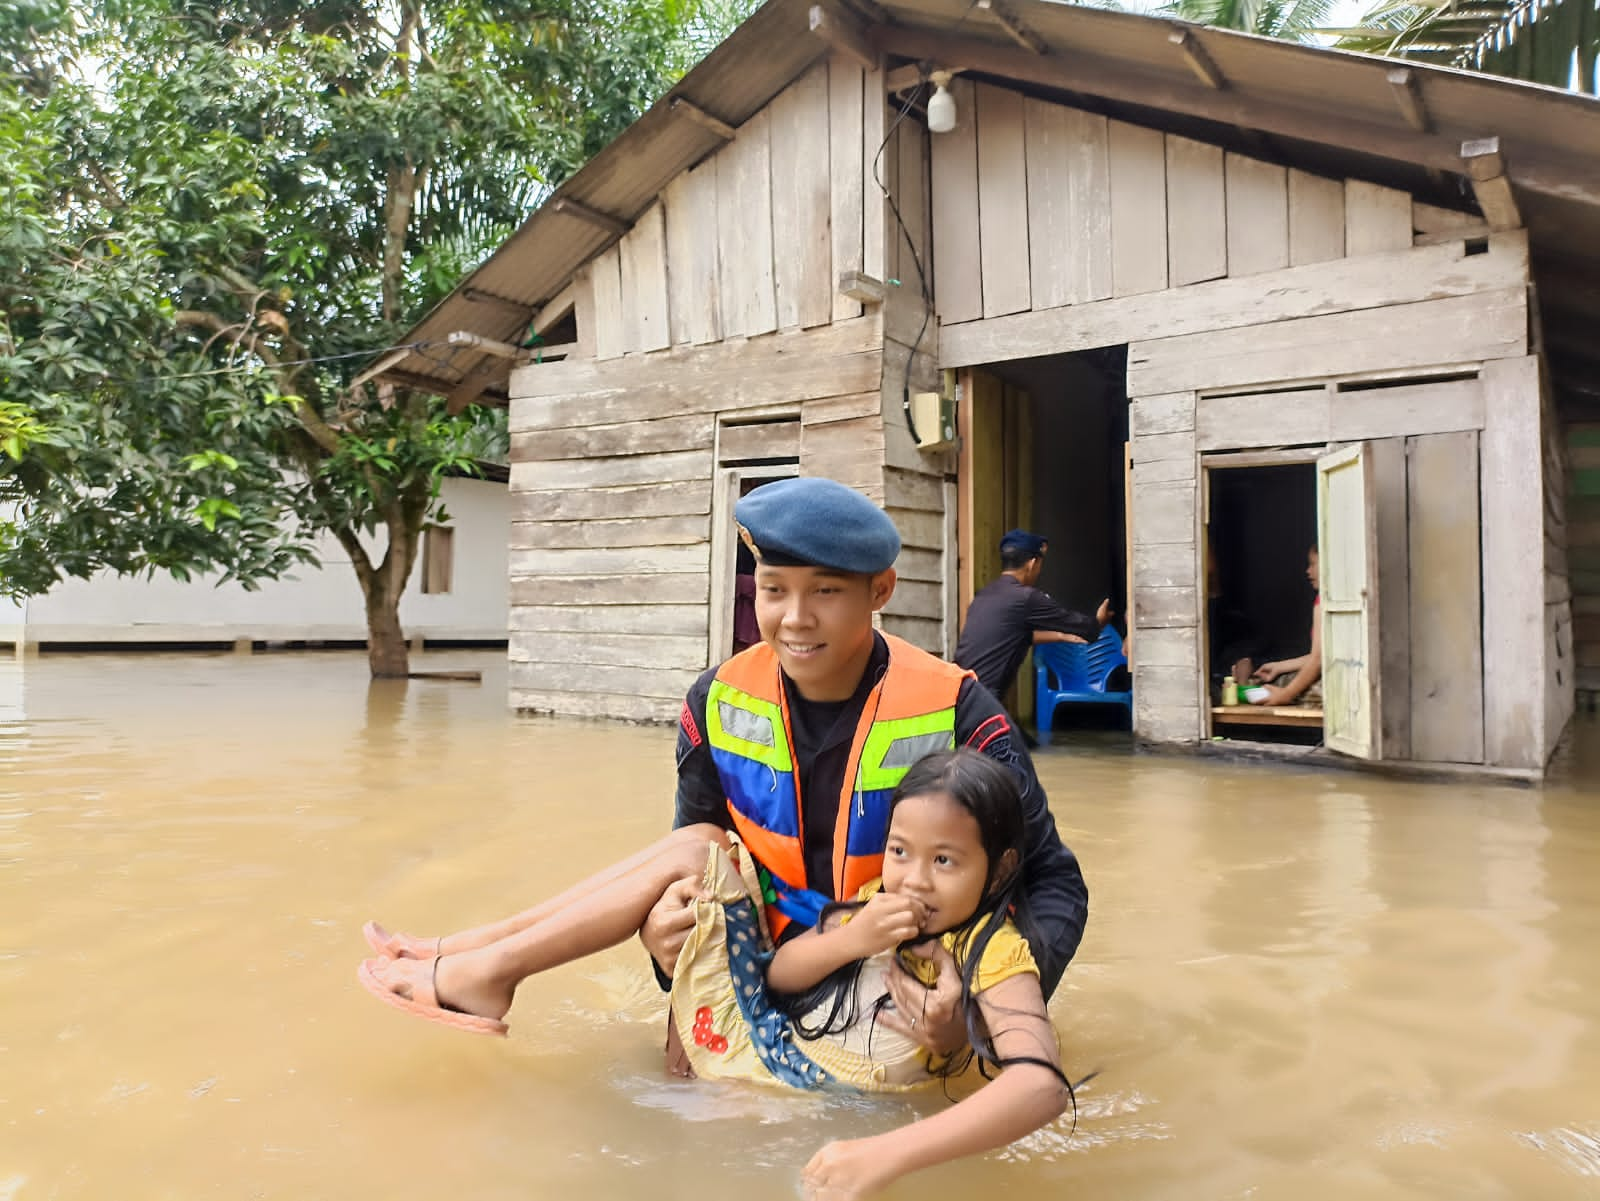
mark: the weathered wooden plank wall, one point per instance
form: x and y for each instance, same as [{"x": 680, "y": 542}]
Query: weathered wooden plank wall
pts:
[
  {"x": 914, "y": 492},
  {"x": 719, "y": 337},
  {"x": 1446, "y": 684},
  {"x": 611, "y": 480},
  {"x": 1373, "y": 282},
  {"x": 754, "y": 238},
  {"x": 1042, "y": 206},
  {"x": 1165, "y": 523},
  {"x": 1512, "y": 504},
  {"x": 1292, "y": 375}
]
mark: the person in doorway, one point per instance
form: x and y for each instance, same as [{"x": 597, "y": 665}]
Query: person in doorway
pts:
[
  {"x": 1232, "y": 640},
  {"x": 1011, "y": 614},
  {"x": 1289, "y": 681},
  {"x": 797, "y": 745},
  {"x": 746, "y": 632}
]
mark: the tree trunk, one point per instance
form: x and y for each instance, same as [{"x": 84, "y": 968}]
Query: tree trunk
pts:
[{"x": 387, "y": 653}]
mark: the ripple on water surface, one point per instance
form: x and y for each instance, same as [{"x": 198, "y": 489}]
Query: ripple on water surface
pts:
[{"x": 1296, "y": 984}]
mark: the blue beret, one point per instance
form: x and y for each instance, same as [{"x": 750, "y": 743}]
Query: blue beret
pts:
[
  {"x": 1031, "y": 544},
  {"x": 814, "y": 522}
]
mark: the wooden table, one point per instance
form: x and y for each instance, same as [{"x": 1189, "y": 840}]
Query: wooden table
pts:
[{"x": 1267, "y": 715}]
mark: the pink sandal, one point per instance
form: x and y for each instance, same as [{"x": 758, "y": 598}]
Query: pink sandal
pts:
[
  {"x": 400, "y": 946},
  {"x": 425, "y": 1003}
]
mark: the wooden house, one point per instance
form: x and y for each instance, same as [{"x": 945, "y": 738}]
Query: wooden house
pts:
[{"x": 1166, "y": 293}]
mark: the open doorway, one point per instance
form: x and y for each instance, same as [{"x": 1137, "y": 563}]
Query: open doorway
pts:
[
  {"x": 1260, "y": 601},
  {"x": 1043, "y": 448},
  {"x": 750, "y": 453}
]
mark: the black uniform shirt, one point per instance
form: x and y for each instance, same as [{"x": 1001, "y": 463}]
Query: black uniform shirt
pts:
[
  {"x": 999, "y": 629},
  {"x": 1057, "y": 898}
]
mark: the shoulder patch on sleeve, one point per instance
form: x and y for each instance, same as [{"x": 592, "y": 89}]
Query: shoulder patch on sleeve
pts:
[
  {"x": 687, "y": 725},
  {"x": 990, "y": 732}
]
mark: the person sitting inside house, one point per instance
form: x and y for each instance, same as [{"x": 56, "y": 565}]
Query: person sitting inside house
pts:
[
  {"x": 1009, "y": 615},
  {"x": 1232, "y": 641},
  {"x": 1291, "y": 681}
]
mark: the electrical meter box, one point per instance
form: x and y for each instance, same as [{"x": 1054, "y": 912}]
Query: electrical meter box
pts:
[{"x": 933, "y": 414}]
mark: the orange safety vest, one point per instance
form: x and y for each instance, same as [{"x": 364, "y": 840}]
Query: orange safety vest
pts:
[{"x": 910, "y": 712}]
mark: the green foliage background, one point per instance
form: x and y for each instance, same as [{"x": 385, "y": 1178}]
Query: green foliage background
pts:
[{"x": 212, "y": 216}]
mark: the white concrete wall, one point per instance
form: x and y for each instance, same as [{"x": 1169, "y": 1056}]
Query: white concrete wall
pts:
[
  {"x": 13, "y": 617},
  {"x": 317, "y": 603}
]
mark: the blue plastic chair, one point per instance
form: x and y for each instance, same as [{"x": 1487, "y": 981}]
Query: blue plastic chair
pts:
[{"x": 1075, "y": 673}]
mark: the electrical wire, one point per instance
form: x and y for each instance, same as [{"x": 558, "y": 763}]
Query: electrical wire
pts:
[
  {"x": 916, "y": 259},
  {"x": 326, "y": 358}
]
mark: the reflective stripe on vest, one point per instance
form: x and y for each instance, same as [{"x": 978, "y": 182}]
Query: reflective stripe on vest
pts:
[{"x": 891, "y": 748}]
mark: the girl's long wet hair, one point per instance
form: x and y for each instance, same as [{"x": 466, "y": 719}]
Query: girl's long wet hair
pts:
[{"x": 992, "y": 794}]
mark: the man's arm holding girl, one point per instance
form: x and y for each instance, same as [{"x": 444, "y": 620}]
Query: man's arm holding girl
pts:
[{"x": 1057, "y": 899}]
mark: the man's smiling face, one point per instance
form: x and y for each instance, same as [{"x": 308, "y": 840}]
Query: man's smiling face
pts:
[{"x": 819, "y": 621}]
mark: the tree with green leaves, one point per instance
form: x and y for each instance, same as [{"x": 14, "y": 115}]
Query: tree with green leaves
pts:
[{"x": 206, "y": 237}]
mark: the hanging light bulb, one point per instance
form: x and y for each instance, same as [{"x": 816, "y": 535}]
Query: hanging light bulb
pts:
[{"x": 941, "y": 105}]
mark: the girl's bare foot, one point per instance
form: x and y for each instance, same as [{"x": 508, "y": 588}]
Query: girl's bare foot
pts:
[{"x": 451, "y": 983}]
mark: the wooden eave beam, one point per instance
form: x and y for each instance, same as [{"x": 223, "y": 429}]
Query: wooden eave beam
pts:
[
  {"x": 573, "y": 208},
  {"x": 1074, "y": 72},
  {"x": 474, "y": 382},
  {"x": 422, "y": 383},
  {"x": 844, "y": 34},
  {"x": 1407, "y": 91},
  {"x": 489, "y": 346},
  {"x": 479, "y": 296},
  {"x": 865, "y": 289},
  {"x": 1490, "y": 183},
  {"x": 1199, "y": 61},
  {"x": 703, "y": 119},
  {"x": 904, "y": 78},
  {"x": 554, "y": 309},
  {"x": 381, "y": 366},
  {"x": 1013, "y": 25},
  {"x": 869, "y": 11},
  {"x": 1406, "y": 87},
  {"x": 465, "y": 393}
]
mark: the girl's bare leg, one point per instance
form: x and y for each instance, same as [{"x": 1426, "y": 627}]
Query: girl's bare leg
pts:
[
  {"x": 603, "y": 911},
  {"x": 409, "y": 947}
]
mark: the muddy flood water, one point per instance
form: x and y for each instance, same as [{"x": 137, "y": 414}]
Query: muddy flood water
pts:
[{"x": 1297, "y": 984}]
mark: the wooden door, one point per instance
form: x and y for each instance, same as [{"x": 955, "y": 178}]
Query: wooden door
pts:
[
  {"x": 1348, "y": 613},
  {"x": 995, "y": 491}
]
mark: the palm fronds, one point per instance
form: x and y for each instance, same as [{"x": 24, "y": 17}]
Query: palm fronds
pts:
[{"x": 1552, "y": 42}]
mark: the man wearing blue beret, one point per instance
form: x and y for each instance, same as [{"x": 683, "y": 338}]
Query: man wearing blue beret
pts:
[
  {"x": 1009, "y": 615},
  {"x": 790, "y": 742}
]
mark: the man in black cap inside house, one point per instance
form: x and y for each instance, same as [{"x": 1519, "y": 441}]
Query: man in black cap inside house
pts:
[
  {"x": 775, "y": 740},
  {"x": 1008, "y": 616}
]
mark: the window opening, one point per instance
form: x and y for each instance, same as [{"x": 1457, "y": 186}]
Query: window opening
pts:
[{"x": 438, "y": 556}]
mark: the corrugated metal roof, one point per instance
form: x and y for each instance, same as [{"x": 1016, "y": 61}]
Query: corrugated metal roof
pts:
[{"x": 1325, "y": 110}]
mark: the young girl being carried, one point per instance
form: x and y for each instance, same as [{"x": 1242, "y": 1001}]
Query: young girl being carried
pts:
[{"x": 805, "y": 1014}]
